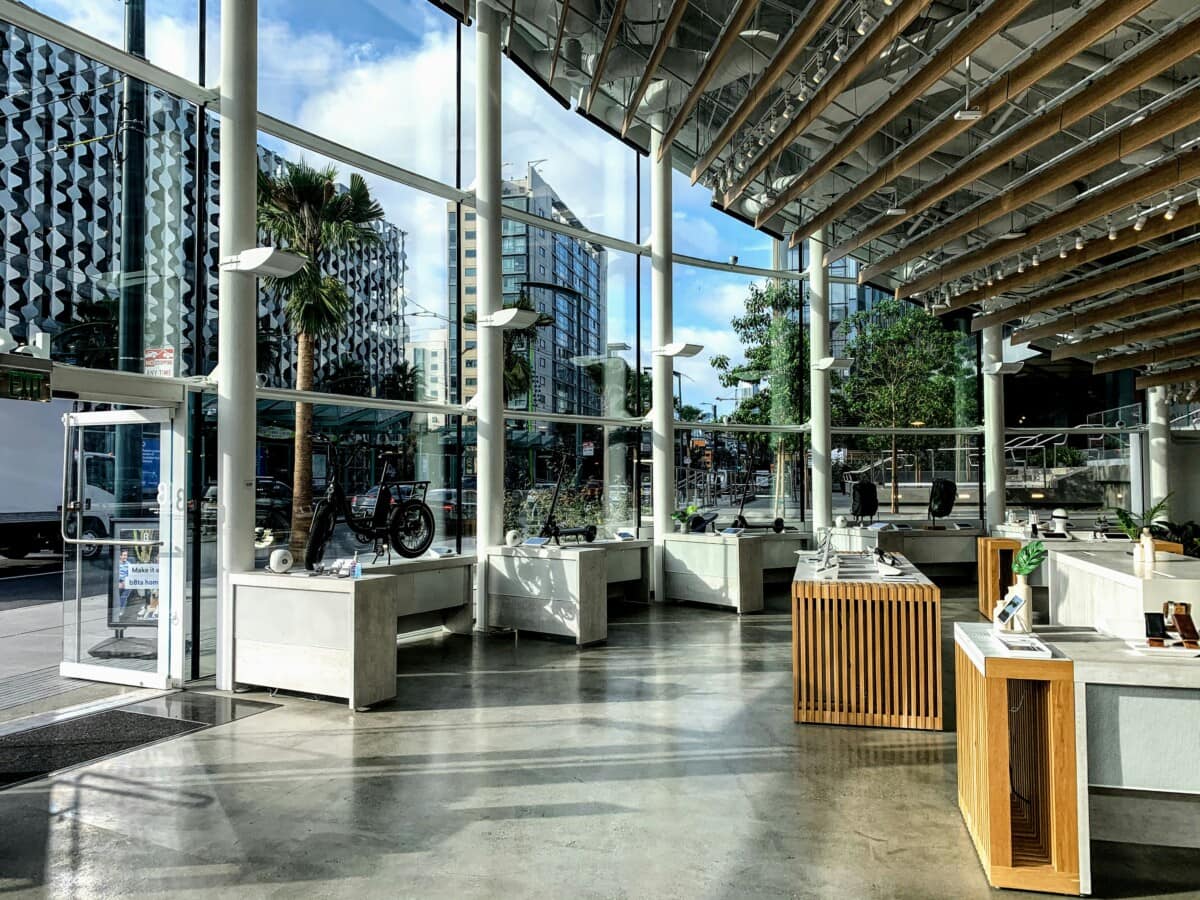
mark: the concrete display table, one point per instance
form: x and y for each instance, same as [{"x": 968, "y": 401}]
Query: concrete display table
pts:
[
  {"x": 628, "y": 566},
  {"x": 551, "y": 590},
  {"x": 432, "y": 584},
  {"x": 1109, "y": 591},
  {"x": 925, "y": 547},
  {"x": 779, "y": 550},
  {"x": 316, "y": 634},
  {"x": 866, "y": 648},
  {"x": 718, "y": 569},
  {"x": 1097, "y": 742}
]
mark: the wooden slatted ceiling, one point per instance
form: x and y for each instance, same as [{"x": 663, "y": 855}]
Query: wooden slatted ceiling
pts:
[
  {"x": 1169, "y": 353},
  {"x": 789, "y": 51},
  {"x": 1181, "y": 323},
  {"x": 1154, "y": 127},
  {"x": 1155, "y": 266},
  {"x": 1094, "y": 250},
  {"x": 1129, "y": 306},
  {"x": 1155, "y": 180},
  {"x": 1176, "y": 376},
  {"x": 737, "y": 22},
  {"x": 996, "y": 17},
  {"x": 656, "y": 57},
  {"x": 1153, "y": 61},
  {"x": 842, "y": 79},
  {"x": 610, "y": 38},
  {"x": 1007, "y": 86}
]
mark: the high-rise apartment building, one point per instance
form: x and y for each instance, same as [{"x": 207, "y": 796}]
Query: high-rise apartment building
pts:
[{"x": 563, "y": 277}]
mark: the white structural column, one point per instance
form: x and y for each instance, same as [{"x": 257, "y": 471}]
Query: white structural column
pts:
[
  {"x": 238, "y": 322},
  {"x": 1159, "y": 437},
  {"x": 662, "y": 397},
  {"x": 489, "y": 461},
  {"x": 993, "y": 426},
  {"x": 818, "y": 349}
]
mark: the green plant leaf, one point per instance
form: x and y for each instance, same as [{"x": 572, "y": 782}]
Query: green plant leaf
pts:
[{"x": 1029, "y": 557}]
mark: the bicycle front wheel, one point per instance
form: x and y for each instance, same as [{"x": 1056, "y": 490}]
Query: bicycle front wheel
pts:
[{"x": 410, "y": 528}]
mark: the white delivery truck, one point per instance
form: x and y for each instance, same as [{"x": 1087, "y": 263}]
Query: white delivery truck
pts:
[{"x": 31, "y": 481}]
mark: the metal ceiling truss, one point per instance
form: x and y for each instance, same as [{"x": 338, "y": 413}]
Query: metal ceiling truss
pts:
[
  {"x": 1180, "y": 322},
  {"x": 1168, "y": 353}
]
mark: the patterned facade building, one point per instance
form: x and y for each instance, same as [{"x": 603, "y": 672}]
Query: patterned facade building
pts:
[{"x": 61, "y": 161}]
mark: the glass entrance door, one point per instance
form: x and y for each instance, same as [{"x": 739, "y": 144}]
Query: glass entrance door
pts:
[{"x": 124, "y": 534}]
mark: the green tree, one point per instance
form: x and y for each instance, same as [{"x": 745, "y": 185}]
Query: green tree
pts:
[
  {"x": 905, "y": 367},
  {"x": 402, "y": 383},
  {"x": 775, "y": 348},
  {"x": 303, "y": 210}
]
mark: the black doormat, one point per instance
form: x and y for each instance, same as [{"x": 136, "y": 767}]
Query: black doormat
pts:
[{"x": 40, "y": 751}]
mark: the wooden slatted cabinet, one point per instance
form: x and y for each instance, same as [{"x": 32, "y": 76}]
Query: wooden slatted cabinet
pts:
[{"x": 867, "y": 651}]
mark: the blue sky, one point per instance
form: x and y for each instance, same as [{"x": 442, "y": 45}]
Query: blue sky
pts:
[{"x": 378, "y": 75}]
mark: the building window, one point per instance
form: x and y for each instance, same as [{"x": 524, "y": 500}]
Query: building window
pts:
[
  {"x": 470, "y": 363},
  {"x": 470, "y": 254},
  {"x": 470, "y": 382},
  {"x": 470, "y": 271}
]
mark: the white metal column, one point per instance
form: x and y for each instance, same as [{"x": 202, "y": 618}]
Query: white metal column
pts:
[
  {"x": 993, "y": 426},
  {"x": 662, "y": 399},
  {"x": 1159, "y": 436},
  {"x": 489, "y": 448},
  {"x": 818, "y": 349},
  {"x": 238, "y": 322}
]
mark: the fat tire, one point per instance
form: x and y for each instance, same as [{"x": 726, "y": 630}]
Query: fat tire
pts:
[
  {"x": 401, "y": 534},
  {"x": 319, "y": 533}
]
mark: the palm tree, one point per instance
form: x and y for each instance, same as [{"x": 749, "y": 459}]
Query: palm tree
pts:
[
  {"x": 303, "y": 210},
  {"x": 402, "y": 383}
]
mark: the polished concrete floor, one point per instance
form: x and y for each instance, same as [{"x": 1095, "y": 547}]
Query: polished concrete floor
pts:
[{"x": 663, "y": 764}]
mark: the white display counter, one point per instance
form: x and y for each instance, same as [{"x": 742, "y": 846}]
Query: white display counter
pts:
[
  {"x": 1133, "y": 717},
  {"x": 722, "y": 570},
  {"x": 1109, "y": 591},
  {"x": 551, "y": 590},
  {"x": 952, "y": 546},
  {"x": 317, "y": 634},
  {"x": 442, "y": 584}
]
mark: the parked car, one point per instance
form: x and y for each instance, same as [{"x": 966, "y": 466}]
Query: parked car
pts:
[
  {"x": 364, "y": 504},
  {"x": 272, "y": 506},
  {"x": 445, "y": 503}
]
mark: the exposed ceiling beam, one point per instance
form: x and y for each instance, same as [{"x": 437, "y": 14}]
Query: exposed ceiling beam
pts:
[
  {"x": 1175, "y": 376},
  {"x": 678, "y": 8},
  {"x": 793, "y": 45},
  {"x": 1088, "y": 160},
  {"x": 562, "y": 27},
  {"x": 1165, "y": 327},
  {"x": 738, "y": 20},
  {"x": 1127, "y": 238},
  {"x": 1169, "y": 353},
  {"x": 1120, "y": 309},
  {"x": 1152, "y": 61},
  {"x": 997, "y": 16},
  {"x": 1162, "y": 264},
  {"x": 864, "y": 54},
  {"x": 1154, "y": 180},
  {"x": 1082, "y": 34},
  {"x": 610, "y": 38}
]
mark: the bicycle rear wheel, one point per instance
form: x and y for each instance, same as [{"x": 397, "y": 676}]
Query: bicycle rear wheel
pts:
[
  {"x": 410, "y": 528},
  {"x": 319, "y": 534}
]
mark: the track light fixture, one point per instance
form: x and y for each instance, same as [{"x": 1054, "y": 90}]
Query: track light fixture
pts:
[
  {"x": 840, "y": 51},
  {"x": 1112, "y": 229},
  {"x": 990, "y": 279},
  {"x": 888, "y": 2},
  {"x": 1062, "y": 251},
  {"x": 1037, "y": 257},
  {"x": 1172, "y": 209},
  {"x": 864, "y": 22},
  {"x": 1079, "y": 240},
  {"x": 1000, "y": 273},
  {"x": 1142, "y": 218},
  {"x": 820, "y": 73},
  {"x": 1020, "y": 265}
]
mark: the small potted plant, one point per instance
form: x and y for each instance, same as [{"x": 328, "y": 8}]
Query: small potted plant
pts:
[
  {"x": 1134, "y": 526},
  {"x": 1025, "y": 563},
  {"x": 681, "y": 516}
]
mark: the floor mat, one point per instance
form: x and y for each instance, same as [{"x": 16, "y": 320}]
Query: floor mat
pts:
[{"x": 40, "y": 751}]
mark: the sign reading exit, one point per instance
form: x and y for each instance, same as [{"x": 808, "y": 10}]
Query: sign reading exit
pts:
[{"x": 24, "y": 378}]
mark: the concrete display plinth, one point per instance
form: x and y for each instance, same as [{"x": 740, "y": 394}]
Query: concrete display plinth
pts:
[{"x": 722, "y": 570}]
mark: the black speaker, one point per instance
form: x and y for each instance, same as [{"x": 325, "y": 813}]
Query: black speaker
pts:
[
  {"x": 864, "y": 500},
  {"x": 942, "y": 494}
]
